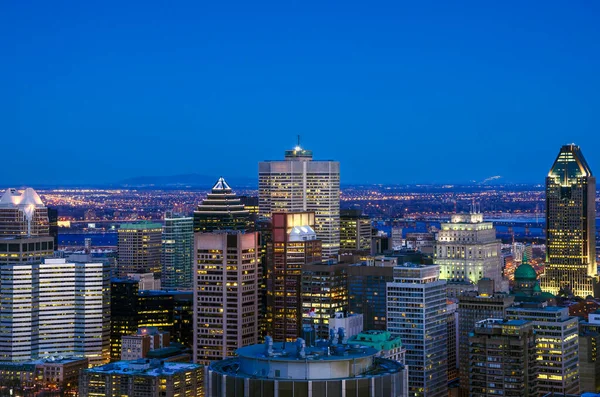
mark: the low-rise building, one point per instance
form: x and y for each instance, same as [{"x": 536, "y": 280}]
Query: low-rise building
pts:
[
  {"x": 148, "y": 378},
  {"x": 388, "y": 346}
]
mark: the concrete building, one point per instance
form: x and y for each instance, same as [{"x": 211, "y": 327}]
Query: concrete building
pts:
[
  {"x": 472, "y": 308},
  {"x": 467, "y": 250},
  {"x": 225, "y": 294},
  {"x": 389, "y": 346},
  {"x": 299, "y": 184},
  {"x": 55, "y": 308},
  {"x": 355, "y": 232},
  {"x": 570, "y": 225},
  {"x": 502, "y": 359},
  {"x": 59, "y": 374},
  {"x": 589, "y": 354},
  {"x": 324, "y": 293},
  {"x": 221, "y": 210},
  {"x": 416, "y": 312},
  {"x": 148, "y": 378},
  {"x": 146, "y": 281},
  {"x": 557, "y": 340},
  {"x": 296, "y": 370},
  {"x": 139, "y": 248},
  {"x": 177, "y": 252},
  {"x": 351, "y": 323},
  {"x": 294, "y": 244},
  {"x": 134, "y": 347}
]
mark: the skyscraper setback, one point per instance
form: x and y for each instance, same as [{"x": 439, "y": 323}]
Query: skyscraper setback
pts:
[
  {"x": 570, "y": 225},
  {"x": 299, "y": 184}
]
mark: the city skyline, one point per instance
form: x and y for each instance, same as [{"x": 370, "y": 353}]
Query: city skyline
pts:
[{"x": 492, "y": 85}]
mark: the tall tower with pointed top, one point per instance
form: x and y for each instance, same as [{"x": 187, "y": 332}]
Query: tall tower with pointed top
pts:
[
  {"x": 221, "y": 210},
  {"x": 570, "y": 225},
  {"x": 300, "y": 184}
]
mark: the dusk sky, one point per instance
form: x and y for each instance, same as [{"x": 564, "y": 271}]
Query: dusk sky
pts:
[{"x": 398, "y": 92}]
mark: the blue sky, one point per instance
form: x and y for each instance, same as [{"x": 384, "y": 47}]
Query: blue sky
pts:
[{"x": 398, "y": 92}]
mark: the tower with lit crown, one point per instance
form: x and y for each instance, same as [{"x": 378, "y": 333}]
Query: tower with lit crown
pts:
[
  {"x": 299, "y": 184},
  {"x": 570, "y": 225}
]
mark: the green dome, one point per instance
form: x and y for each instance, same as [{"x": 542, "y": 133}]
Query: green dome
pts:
[
  {"x": 537, "y": 288},
  {"x": 525, "y": 272}
]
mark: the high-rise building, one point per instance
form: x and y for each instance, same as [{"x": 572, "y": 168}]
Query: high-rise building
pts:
[
  {"x": 132, "y": 308},
  {"x": 139, "y": 248},
  {"x": 23, "y": 214},
  {"x": 474, "y": 307},
  {"x": 355, "y": 231},
  {"x": 570, "y": 225},
  {"x": 299, "y": 184},
  {"x": 467, "y": 250},
  {"x": 53, "y": 224},
  {"x": 221, "y": 210},
  {"x": 293, "y": 245},
  {"x": 324, "y": 293},
  {"x": 54, "y": 308},
  {"x": 226, "y": 283},
  {"x": 557, "y": 344},
  {"x": 177, "y": 250},
  {"x": 452, "y": 331},
  {"x": 367, "y": 285},
  {"x": 502, "y": 359},
  {"x": 148, "y": 378},
  {"x": 300, "y": 370},
  {"x": 589, "y": 354},
  {"x": 416, "y": 312}
]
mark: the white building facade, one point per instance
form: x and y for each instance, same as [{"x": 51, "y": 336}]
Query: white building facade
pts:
[{"x": 299, "y": 184}]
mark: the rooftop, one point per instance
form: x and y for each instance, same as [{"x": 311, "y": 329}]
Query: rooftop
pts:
[
  {"x": 319, "y": 352},
  {"x": 20, "y": 198},
  {"x": 144, "y": 367}
]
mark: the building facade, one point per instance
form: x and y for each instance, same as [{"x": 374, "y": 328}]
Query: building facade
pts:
[
  {"x": 502, "y": 359},
  {"x": 221, "y": 210},
  {"x": 557, "y": 344},
  {"x": 54, "y": 308},
  {"x": 570, "y": 225},
  {"x": 225, "y": 294},
  {"x": 355, "y": 231},
  {"x": 293, "y": 245},
  {"x": 472, "y": 308},
  {"x": 148, "y": 378},
  {"x": 299, "y": 184},
  {"x": 416, "y": 312},
  {"x": 297, "y": 370},
  {"x": 589, "y": 354},
  {"x": 324, "y": 293},
  {"x": 467, "y": 250},
  {"x": 139, "y": 248},
  {"x": 177, "y": 252},
  {"x": 23, "y": 214}
]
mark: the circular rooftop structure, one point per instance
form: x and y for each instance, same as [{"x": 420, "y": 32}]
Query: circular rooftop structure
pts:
[{"x": 525, "y": 272}]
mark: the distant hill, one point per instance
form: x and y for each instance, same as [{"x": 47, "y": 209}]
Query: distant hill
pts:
[{"x": 192, "y": 180}]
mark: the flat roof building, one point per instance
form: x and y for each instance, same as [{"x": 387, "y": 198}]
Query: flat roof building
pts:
[{"x": 297, "y": 370}]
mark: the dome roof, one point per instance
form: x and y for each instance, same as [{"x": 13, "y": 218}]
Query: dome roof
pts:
[{"x": 525, "y": 272}]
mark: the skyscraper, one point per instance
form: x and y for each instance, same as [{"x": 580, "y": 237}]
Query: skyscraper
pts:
[
  {"x": 139, "y": 248},
  {"x": 502, "y": 359},
  {"x": 226, "y": 281},
  {"x": 416, "y": 312},
  {"x": 55, "y": 308},
  {"x": 299, "y": 184},
  {"x": 467, "y": 250},
  {"x": 221, "y": 210},
  {"x": 355, "y": 231},
  {"x": 324, "y": 293},
  {"x": 557, "y": 343},
  {"x": 570, "y": 225},
  {"x": 473, "y": 307},
  {"x": 293, "y": 245},
  {"x": 23, "y": 214},
  {"x": 177, "y": 250}
]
